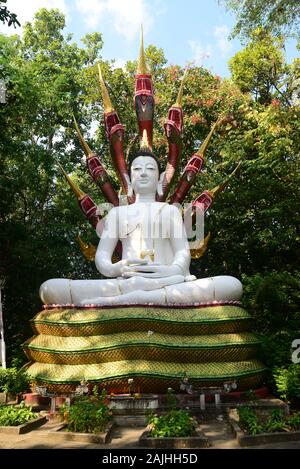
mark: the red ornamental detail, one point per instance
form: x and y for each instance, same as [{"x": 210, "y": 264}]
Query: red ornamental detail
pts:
[
  {"x": 192, "y": 168},
  {"x": 89, "y": 208},
  {"x": 112, "y": 124},
  {"x": 144, "y": 105},
  {"x": 96, "y": 169},
  {"x": 100, "y": 176},
  {"x": 143, "y": 85},
  {"x": 194, "y": 164},
  {"x": 174, "y": 121},
  {"x": 203, "y": 202}
]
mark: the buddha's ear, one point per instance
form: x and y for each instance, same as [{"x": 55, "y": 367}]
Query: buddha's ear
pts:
[{"x": 159, "y": 189}]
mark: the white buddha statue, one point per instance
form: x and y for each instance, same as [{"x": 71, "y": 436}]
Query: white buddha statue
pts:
[{"x": 155, "y": 255}]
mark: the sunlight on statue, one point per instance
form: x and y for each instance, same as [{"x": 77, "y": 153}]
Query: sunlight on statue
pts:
[{"x": 155, "y": 254}]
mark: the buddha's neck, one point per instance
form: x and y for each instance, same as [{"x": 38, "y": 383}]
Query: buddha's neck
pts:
[{"x": 144, "y": 198}]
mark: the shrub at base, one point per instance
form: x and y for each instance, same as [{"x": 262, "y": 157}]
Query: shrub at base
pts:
[
  {"x": 175, "y": 423},
  {"x": 253, "y": 423},
  {"x": 11, "y": 416},
  {"x": 87, "y": 414}
]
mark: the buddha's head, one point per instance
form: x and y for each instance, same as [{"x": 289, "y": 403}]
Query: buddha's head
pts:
[{"x": 145, "y": 173}]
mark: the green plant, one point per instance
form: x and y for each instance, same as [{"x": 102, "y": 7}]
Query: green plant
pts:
[
  {"x": 254, "y": 422},
  {"x": 249, "y": 420},
  {"x": 87, "y": 414},
  {"x": 287, "y": 381},
  {"x": 273, "y": 301},
  {"x": 14, "y": 381},
  {"x": 15, "y": 415},
  {"x": 175, "y": 423},
  {"x": 275, "y": 422},
  {"x": 294, "y": 421}
]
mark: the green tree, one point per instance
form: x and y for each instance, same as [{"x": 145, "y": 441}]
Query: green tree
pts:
[
  {"x": 7, "y": 16},
  {"x": 259, "y": 68},
  {"x": 44, "y": 73},
  {"x": 277, "y": 16}
]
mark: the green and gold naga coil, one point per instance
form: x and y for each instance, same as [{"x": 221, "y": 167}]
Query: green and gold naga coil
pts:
[{"x": 156, "y": 346}]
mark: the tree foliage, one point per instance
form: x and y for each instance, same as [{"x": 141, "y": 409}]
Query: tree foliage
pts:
[
  {"x": 7, "y": 16},
  {"x": 253, "y": 223},
  {"x": 276, "y": 16}
]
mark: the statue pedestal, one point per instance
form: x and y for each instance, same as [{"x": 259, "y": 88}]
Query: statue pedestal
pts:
[{"x": 155, "y": 346}]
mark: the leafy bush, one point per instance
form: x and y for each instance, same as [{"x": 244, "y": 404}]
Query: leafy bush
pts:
[
  {"x": 287, "y": 382},
  {"x": 257, "y": 422},
  {"x": 276, "y": 422},
  {"x": 87, "y": 414},
  {"x": 14, "y": 381},
  {"x": 273, "y": 300},
  {"x": 249, "y": 420},
  {"x": 276, "y": 349},
  {"x": 13, "y": 416},
  {"x": 172, "y": 424},
  {"x": 294, "y": 421}
]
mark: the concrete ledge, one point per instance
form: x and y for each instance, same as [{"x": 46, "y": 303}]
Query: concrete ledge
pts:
[
  {"x": 59, "y": 434},
  {"x": 262, "y": 438},
  {"x": 25, "y": 427},
  {"x": 198, "y": 440}
]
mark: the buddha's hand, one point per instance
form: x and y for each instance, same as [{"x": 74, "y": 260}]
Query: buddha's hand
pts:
[
  {"x": 125, "y": 263},
  {"x": 151, "y": 270}
]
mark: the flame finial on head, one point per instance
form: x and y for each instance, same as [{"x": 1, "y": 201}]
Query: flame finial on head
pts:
[
  {"x": 108, "y": 107},
  {"x": 142, "y": 67},
  {"x": 77, "y": 191},
  {"x": 178, "y": 102},
  {"x": 216, "y": 190},
  {"x": 84, "y": 144},
  {"x": 144, "y": 144}
]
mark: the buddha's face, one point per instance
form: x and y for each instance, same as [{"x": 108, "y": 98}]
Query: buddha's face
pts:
[{"x": 144, "y": 175}]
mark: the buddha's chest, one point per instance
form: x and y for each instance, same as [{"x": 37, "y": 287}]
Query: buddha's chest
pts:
[{"x": 145, "y": 221}]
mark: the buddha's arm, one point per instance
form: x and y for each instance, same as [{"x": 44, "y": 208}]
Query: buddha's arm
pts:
[
  {"x": 178, "y": 239},
  {"x": 106, "y": 246}
]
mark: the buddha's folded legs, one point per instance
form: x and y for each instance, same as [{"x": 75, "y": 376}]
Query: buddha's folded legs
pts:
[
  {"x": 220, "y": 288},
  {"x": 139, "y": 290},
  {"x": 64, "y": 291}
]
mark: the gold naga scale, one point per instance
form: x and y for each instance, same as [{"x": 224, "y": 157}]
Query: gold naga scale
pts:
[{"x": 155, "y": 345}]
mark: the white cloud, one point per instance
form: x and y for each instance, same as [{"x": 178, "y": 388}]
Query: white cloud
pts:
[
  {"x": 92, "y": 11},
  {"x": 126, "y": 16},
  {"x": 222, "y": 33},
  {"x": 25, "y": 11},
  {"x": 200, "y": 52},
  {"x": 119, "y": 63}
]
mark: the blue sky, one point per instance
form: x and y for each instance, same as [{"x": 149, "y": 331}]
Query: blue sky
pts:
[{"x": 188, "y": 31}]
